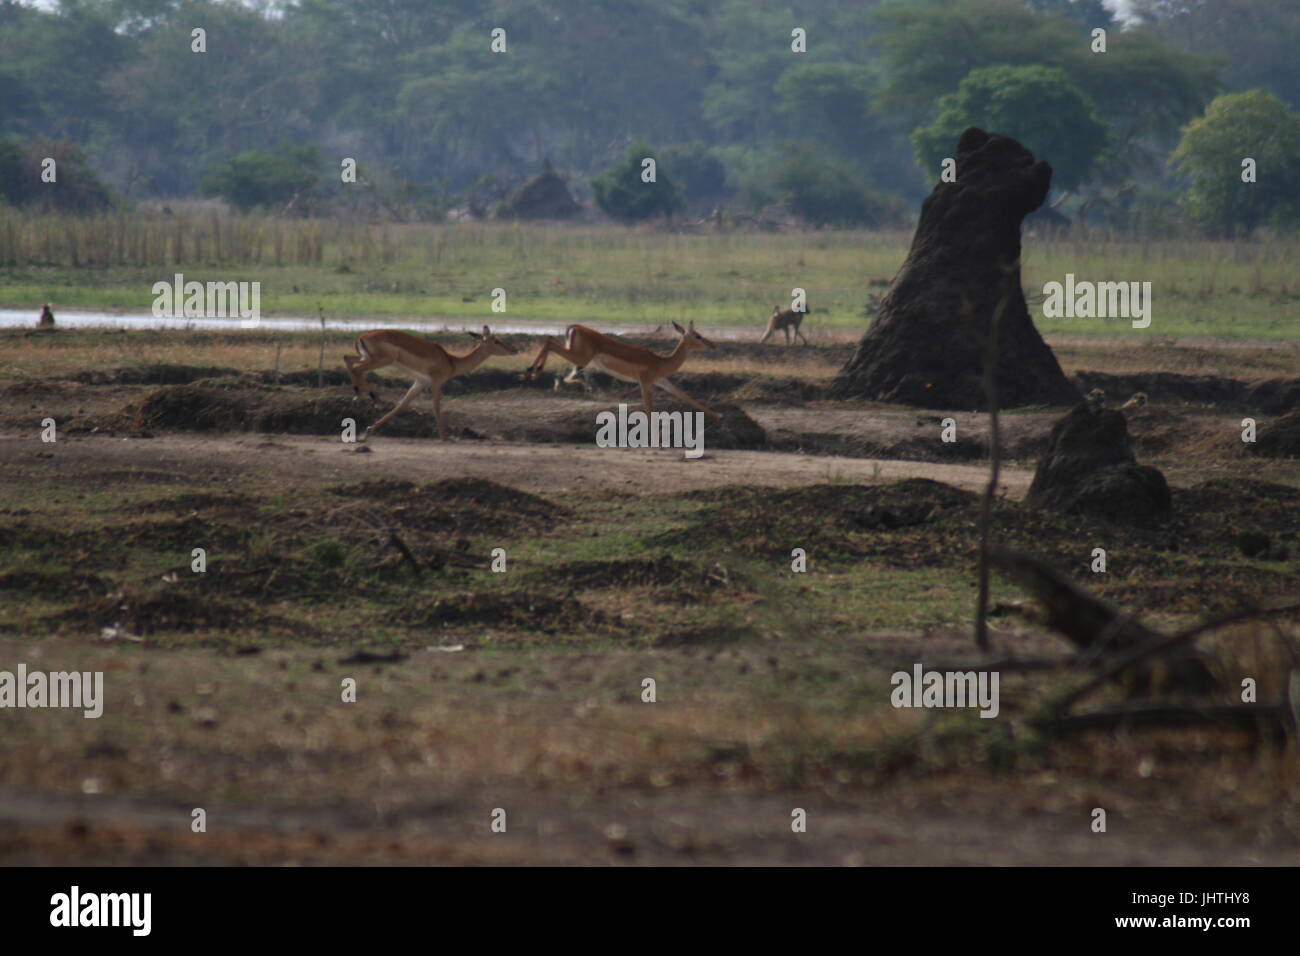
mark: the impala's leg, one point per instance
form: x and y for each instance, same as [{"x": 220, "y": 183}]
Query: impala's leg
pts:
[
  {"x": 539, "y": 363},
  {"x": 573, "y": 378},
  {"x": 647, "y": 397},
  {"x": 420, "y": 385},
  {"x": 357, "y": 368},
  {"x": 436, "y": 390},
  {"x": 551, "y": 347},
  {"x": 672, "y": 389}
]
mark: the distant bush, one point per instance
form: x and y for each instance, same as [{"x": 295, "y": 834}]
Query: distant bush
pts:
[
  {"x": 487, "y": 191},
  {"x": 12, "y": 188},
  {"x": 698, "y": 169},
  {"x": 621, "y": 194},
  {"x": 268, "y": 177},
  {"x": 76, "y": 188},
  {"x": 827, "y": 192}
]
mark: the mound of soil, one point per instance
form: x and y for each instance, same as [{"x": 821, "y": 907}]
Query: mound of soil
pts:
[
  {"x": 332, "y": 377},
  {"x": 785, "y": 391},
  {"x": 34, "y": 583},
  {"x": 193, "y": 409},
  {"x": 545, "y": 196},
  {"x": 1090, "y": 468},
  {"x": 702, "y": 387},
  {"x": 965, "y": 257},
  {"x": 703, "y": 636},
  {"x": 494, "y": 380},
  {"x": 458, "y": 505},
  {"x": 675, "y": 580},
  {"x": 517, "y": 610},
  {"x": 172, "y": 609},
  {"x": 734, "y": 429},
  {"x": 827, "y": 521},
  {"x": 206, "y": 408},
  {"x": 188, "y": 503},
  {"x": 1279, "y": 439},
  {"x": 481, "y": 380},
  {"x": 927, "y": 449},
  {"x": 1272, "y": 397},
  {"x": 1277, "y": 396},
  {"x": 248, "y": 405},
  {"x": 323, "y": 413},
  {"x": 1270, "y": 504},
  {"x": 156, "y": 374},
  {"x": 176, "y": 535}
]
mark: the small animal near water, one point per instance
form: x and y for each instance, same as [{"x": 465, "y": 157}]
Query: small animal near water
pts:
[
  {"x": 46, "y": 320},
  {"x": 428, "y": 362},
  {"x": 785, "y": 321},
  {"x": 631, "y": 363}
]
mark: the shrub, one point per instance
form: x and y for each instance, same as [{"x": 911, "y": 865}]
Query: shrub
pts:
[
  {"x": 621, "y": 194},
  {"x": 270, "y": 177}
]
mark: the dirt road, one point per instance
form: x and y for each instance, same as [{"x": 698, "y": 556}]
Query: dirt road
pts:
[{"x": 551, "y": 469}]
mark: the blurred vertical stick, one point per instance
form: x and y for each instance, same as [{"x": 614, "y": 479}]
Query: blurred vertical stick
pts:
[
  {"x": 995, "y": 455},
  {"x": 320, "y": 362}
]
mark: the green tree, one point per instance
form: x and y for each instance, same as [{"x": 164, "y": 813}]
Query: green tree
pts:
[
  {"x": 76, "y": 189},
  {"x": 930, "y": 45},
  {"x": 12, "y": 189},
  {"x": 1037, "y": 105},
  {"x": 578, "y": 79},
  {"x": 60, "y": 57},
  {"x": 830, "y": 103},
  {"x": 699, "y": 171},
  {"x": 622, "y": 195},
  {"x": 1255, "y": 125},
  {"x": 827, "y": 192},
  {"x": 1254, "y": 40},
  {"x": 268, "y": 177}
]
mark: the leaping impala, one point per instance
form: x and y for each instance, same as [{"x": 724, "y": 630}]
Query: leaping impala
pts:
[
  {"x": 631, "y": 363},
  {"x": 430, "y": 363}
]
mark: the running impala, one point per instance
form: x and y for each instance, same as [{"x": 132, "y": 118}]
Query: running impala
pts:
[
  {"x": 631, "y": 363},
  {"x": 428, "y": 362}
]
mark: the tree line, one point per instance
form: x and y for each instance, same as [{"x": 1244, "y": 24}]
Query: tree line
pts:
[{"x": 835, "y": 111}]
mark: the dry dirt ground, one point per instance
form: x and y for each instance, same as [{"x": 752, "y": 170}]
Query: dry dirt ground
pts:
[{"x": 477, "y": 694}]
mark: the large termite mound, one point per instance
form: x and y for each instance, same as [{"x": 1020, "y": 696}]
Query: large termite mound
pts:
[
  {"x": 1090, "y": 468},
  {"x": 545, "y": 196},
  {"x": 926, "y": 346}
]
